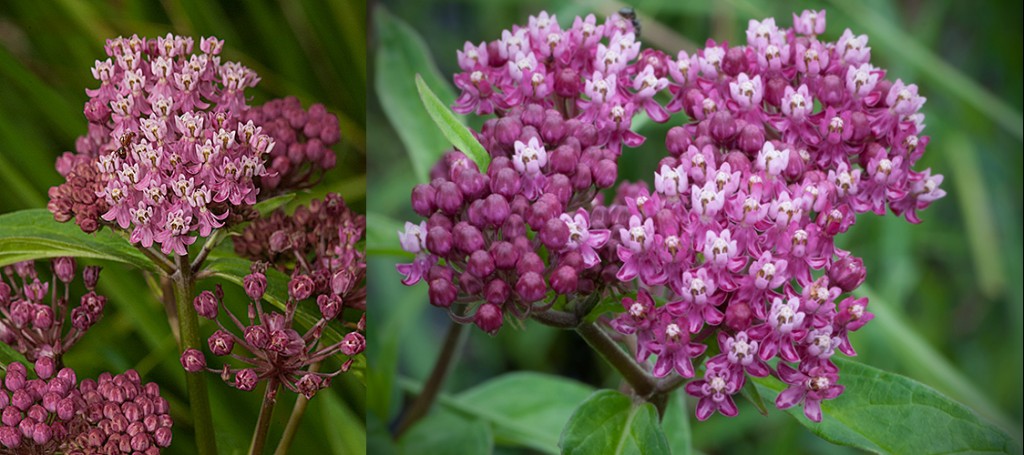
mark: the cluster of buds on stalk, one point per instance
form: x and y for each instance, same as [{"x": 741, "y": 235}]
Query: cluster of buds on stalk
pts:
[
  {"x": 39, "y": 328},
  {"x": 515, "y": 237},
  {"x": 320, "y": 252},
  {"x": 54, "y": 413}
]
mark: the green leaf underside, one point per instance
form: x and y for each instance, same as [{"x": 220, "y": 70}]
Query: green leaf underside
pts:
[
  {"x": 306, "y": 314},
  {"x": 611, "y": 423},
  {"x": 34, "y": 234},
  {"x": 453, "y": 129},
  {"x": 887, "y": 413},
  {"x": 400, "y": 56}
]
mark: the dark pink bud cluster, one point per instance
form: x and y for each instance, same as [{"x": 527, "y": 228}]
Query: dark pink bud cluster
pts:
[
  {"x": 35, "y": 313},
  {"x": 277, "y": 349},
  {"x": 320, "y": 240},
  {"x": 514, "y": 237},
  {"x": 303, "y": 141},
  {"x": 746, "y": 210},
  {"x": 167, "y": 137},
  {"x": 55, "y": 414},
  {"x": 77, "y": 198}
]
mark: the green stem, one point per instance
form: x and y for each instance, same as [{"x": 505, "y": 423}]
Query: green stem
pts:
[
  {"x": 293, "y": 421},
  {"x": 259, "y": 437},
  {"x": 641, "y": 382},
  {"x": 444, "y": 363},
  {"x": 188, "y": 324}
]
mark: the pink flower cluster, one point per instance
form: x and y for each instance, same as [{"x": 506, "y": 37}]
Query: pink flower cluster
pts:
[
  {"x": 53, "y": 413},
  {"x": 788, "y": 139},
  {"x": 37, "y": 328},
  {"x": 165, "y": 134},
  {"x": 747, "y": 207},
  {"x": 564, "y": 100}
]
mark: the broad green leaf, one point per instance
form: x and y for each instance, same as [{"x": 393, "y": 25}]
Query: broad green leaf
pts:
[
  {"x": 676, "y": 424},
  {"x": 447, "y": 433},
  {"x": 307, "y": 313},
  {"x": 8, "y": 355},
  {"x": 33, "y": 234},
  {"x": 451, "y": 127},
  {"x": 526, "y": 409},
  {"x": 344, "y": 431},
  {"x": 268, "y": 206},
  {"x": 888, "y": 413},
  {"x": 401, "y": 56},
  {"x": 611, "y": 423}
]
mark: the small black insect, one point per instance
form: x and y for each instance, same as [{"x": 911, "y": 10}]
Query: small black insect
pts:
[
  {"x": 126, "y": 141},
  {"x": 628, "y": 13}
]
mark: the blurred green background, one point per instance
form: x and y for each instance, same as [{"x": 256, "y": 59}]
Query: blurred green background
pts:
[
  {"x": 947, "y": 292},
  {"x": 311, "y": 49}
]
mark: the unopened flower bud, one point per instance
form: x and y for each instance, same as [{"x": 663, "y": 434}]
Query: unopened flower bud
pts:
[
  {"x": 489, "y": 318},
  {"x": 193, "y": 360},
  {"x": 206, "y": 305},
  {"x": 221, "y": 343},
  {"x": 300, "y": 287},
  {"x": 848, "y": 273},
  {"x": 64, "y": 269},
  {"x": 255, "y": 285},
  {"x": 246, "y": 379},
  {"x": 353, "y": 344}
]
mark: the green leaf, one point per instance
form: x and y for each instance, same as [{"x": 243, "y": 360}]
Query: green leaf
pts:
[
  {"x": 33, "y": 234},
  {"x": 307, "y": 314},
  {"x": 676, "y": 424},
  {"x": 886, "y": 412},
  {"x": 447, "y": 433},
  {"x": 527, "y": 409},
  {"x": 9, "y": 355},
  {"x": 611, "y": 423},
  {"x": 268, "y": 206},
  {"x": 400, "y": 56},
  {"x": 451, "y": 127},
  {"x": 344, "y": 431}
]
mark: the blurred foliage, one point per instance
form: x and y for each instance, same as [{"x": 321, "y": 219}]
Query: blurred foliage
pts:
[
  {"x": 950, "y": 303},
  {"x": 310, "y": 49}
]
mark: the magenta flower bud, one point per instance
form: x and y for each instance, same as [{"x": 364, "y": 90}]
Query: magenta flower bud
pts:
[
  {"x": 423, "y": 196},
  {"x": 553, "y": 128},
  {"x": 564, "y": 280},
  {"x": 467, "y": 238},
  {"x": 96, "y": 111},
  {"x": 496, "y": 209},
  {"x": 309, "y": 384},
  {"x": 140, "y": 442},
  {"x": 11, "y": 416},
  {"x": 554, "y": 234},
  {"x": 470, "y": 284},
  {"x": 206, "y": 305},
  {"x": 561, "y": 187},
  {"x": 442, "y": 292},
  {"x": 861, "y": 125},
  {"x": 848, "y": 273},
  {"x": 22, "y": 399},
  {"x": 330, "y": 306},
  {"x": 300, "y": 287},
  {"x": 82, "y": 319},
  {"x": 41, "y": 434},
  {"x": 677, "y": 141},
  {"x": 507, "y": 130},
  {"x": 353, "y": 344},
  {"x": 246, "y": 379},
  {"x": 480, "y": 264},
  {"x": 66, "y": 409},
  {"x": 15, "y": 378},
  {"x": 68, "y": 376},
  {"x": 582, "y": 178},
  {"x": 564, "y": 159},
  {"x": 489, "y": 318},
  {"x": 531, "y": 287},
  {"x": 496, "y": 291},
  {"x": 257, "y": 336},
  {"x": 10, "y": 437},
  {"x": 605, "y": 173},
  {"x": 221, "y": 343},
  {"x": 471, "y": 183},
  {"x": 739, "y": 162},
  {"x": 774, "y": 91},
  {"x": 439, "y": 241},
  {"x": 193, "y": 360},
  {"x": 255, "y": 285},
  {"x": 42, "y": 317},
  {"x": 506, "y": 182},
  {"x": 162, "y": 437},
  {"x": 448, "y": 198},
  {"x": 832, "y": 90},
  {"x": 723, "y": 126},
  {"x": 45, "y": 367},
  {"x": 738, "y": 315},
  {"x": 751, "y": 139},
  {"x": 64, "y": 269},
  {"x": 91, "y": 275},
  {"x": 93, "y": 302},
  {"x": 530, "y": 262},
  {"x": 279, "y": 241},
  {"x": 505, "y": 255},
  {"x": 514, "y": 226},
  {"x": 567, "y": 83}
]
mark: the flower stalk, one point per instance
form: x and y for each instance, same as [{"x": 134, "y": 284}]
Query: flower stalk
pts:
[{"x": 188, "y": 324}]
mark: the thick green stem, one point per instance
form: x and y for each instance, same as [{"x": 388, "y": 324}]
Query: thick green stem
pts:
[
  {"x": 641, "y": 382},
  {"x": 188, "y": 324},
  {"x": 444, "y": 363},
  {"x": 259, "y": 436}
]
